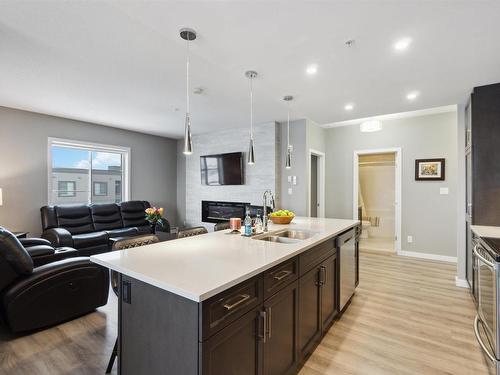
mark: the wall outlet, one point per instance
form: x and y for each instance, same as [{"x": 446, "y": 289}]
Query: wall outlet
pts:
[
  {"x": 444, "y": 191},
  {"x": 295, "y": 180},
  {"x": 289, "y": 178},
  {"x": 290, "y": 191},
  {"x": 410, "y": 239}
]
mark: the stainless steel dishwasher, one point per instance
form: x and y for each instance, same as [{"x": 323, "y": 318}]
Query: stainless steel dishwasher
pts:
[{"x": 346, "y": 251}]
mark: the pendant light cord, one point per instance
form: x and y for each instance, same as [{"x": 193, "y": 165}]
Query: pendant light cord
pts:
[
  {"x": 187, "y": 75},
  {"x": 288, "y": 127},
  {"x": 251, "y": 108}
]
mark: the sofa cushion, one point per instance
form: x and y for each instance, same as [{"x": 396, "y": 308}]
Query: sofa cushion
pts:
[
  {"x": 39, "y": 250},
  {"x": 75, "y": 218},
  {"x": 133, "y": 214},
  {"x": 106, "y": 216},
  {"x": 143, "y": 229},
  {"x": 90, "y": 239},
  {"x": 122, "y": 232}
]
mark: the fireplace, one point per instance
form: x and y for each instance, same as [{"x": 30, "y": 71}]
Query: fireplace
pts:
[{"x": 217, "y": 212}]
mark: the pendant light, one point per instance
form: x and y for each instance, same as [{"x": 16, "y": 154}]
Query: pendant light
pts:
[
  {"x": 188, "y": 35},
  {"x": 288, "y": 157},
  {"x": 251, "y": 153}
]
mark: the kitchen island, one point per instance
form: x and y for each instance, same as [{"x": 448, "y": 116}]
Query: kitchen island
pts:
[{"x": 221, "y": 303}]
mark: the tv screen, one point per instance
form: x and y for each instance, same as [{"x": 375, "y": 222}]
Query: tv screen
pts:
[{"x": 222, "y": 169}]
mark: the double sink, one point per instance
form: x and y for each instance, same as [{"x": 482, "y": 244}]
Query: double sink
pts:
[{"x": 286, "y": 236}]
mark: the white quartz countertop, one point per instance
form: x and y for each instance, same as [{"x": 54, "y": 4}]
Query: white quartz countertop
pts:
[
  {"x": 199, "y": 267},
  {"x": 486, "y": 231}
]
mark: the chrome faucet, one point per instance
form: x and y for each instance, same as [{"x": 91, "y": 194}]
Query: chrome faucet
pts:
[{"x": 264, "y": 208}]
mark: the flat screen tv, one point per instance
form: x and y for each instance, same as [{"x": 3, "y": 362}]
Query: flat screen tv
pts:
[{"x": 222, "y": 169}]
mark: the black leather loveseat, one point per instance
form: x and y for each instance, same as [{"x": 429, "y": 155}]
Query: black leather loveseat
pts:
[
  {"x": 88, "y": 228},
  {"x": 34, "y": 297}
]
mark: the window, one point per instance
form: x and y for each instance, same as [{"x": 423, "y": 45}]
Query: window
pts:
[
  {"x": 100, "y": 189},
  {"x": 81, "y": 172},
  {"x": 66, "y": 188},
  {"x": 118, "y": 191}
]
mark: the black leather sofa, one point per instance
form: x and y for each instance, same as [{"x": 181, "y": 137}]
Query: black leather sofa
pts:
[
  {"x": 88, "y": 228},
  {"x": 36, "y": 297}
]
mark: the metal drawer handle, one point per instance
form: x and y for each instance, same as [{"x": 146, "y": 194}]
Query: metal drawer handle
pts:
[
  {"x": 324, "y": 275},
  {"x": 243, "y": 298},
  {"x": 263, "y": 336},
  {"x": 483, "y": 259},
  {"x": 281, "y": 275},
  {"x": 480, "y": 341}
]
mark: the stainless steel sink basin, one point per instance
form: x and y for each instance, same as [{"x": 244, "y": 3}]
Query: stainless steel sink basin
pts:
[
  {"x": 295, "y": 234},
  {"x": 288, "y": 236},
  {"x": 271, "y": 238}
]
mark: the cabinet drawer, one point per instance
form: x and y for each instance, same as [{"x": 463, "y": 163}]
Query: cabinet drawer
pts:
[
  {"x": 280, "y": 276},
  {"x": 224, "y": 308},
  {"x": 314, "y": 256}
]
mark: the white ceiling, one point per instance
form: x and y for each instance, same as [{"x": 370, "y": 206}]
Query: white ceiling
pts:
[{"x": 121, "y": 63}]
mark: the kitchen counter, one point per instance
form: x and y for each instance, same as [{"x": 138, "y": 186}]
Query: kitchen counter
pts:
[
  {"x": 486, "y": 231},
  {"x": 200, "y": 267}
]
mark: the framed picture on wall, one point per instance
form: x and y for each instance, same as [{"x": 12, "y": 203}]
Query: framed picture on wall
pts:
[{"x": 429, "y": 169}]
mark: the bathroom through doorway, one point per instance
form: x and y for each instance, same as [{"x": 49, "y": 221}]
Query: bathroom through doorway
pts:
[{"x": 377, "y": 192}]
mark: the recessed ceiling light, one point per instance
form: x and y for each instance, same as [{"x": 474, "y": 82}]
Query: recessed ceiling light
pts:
[
  {"x": 402, "y": 44},
  {"x": 412, "y": 95},
  {"x": 349, "y": 107},
  {"x": 370, "y": 126},
  {"x": 312, "y": 69}
]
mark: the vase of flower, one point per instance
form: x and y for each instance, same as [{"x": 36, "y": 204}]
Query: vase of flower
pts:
[{"x": 154, "y": 217}]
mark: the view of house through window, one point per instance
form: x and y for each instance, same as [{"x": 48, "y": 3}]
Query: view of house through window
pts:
[{"x": 86, "y": 173}]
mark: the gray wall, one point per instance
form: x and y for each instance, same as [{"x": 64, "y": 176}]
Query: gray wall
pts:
[
  {"x": 181, "y": 184},
  {"x": 426, "y": 215},
  {"x": 23, "y": 158},
  {"x": 304, "y": 136},
  {"x": 297, "y": 202},
  {"x": 259, "y": 177}
]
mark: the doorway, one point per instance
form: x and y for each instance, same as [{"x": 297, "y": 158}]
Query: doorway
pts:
[
  {"x": 376, "y": 196},
  {"x": 316, "y": 201}
]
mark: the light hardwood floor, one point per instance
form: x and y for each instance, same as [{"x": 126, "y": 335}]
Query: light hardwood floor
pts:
[{"x": 407, "y": 317}]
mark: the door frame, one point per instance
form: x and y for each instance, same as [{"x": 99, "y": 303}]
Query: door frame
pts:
[
  {"x": 321, "y": 182},
  {"x": 355, "y": 187}
]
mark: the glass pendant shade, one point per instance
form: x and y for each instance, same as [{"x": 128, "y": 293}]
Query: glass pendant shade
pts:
[
  {"x": 288, "y": 160},
  {"x": 188, "y": 140},
  {"x": 251, "y": 153}
]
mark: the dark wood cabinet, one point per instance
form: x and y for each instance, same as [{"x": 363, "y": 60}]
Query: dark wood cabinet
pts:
[
  {"x": 235, "y": 349},
  {"x": 280, "y": 346},
  {"x": 309, "y": 311},
  {"x": 318, "y": 303},
  {"x": 482, "y": 152},
  {"x": 328, "y": 289}
]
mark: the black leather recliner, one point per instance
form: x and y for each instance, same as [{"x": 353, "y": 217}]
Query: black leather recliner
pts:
[
  {"x": 36, "y": 297},
  {"x": 88, "y": 228}
]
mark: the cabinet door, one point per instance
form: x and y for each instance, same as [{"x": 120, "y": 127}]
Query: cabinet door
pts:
[
  {"x": 235, "y": 349},
  {"x": 309, "y": 311},
  {"x": 280, "y": 347},
  {"x": 328, "y": 275}
]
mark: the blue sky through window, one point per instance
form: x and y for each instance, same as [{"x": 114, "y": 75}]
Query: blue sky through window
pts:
[{"x": 63, "y": 157}]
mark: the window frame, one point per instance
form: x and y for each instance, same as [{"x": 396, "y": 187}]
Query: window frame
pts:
[
  {"x": 92, "y": 147},
  {"x": 72, "y": 192},
  {"x": 99, "y": 183}
]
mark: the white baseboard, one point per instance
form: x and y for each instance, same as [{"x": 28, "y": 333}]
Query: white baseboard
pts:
[
  {"x": 462, "y": 283},
  {"x": 442, "y": 258}
]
